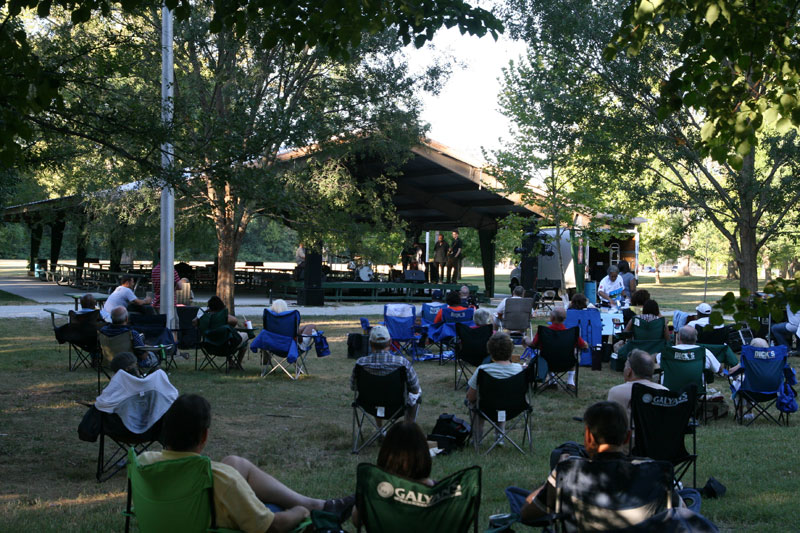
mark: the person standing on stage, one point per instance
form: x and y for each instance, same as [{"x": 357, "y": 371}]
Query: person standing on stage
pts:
[
  {"x": 440, "y": 250},
  {"x": 454, "y": 259}
]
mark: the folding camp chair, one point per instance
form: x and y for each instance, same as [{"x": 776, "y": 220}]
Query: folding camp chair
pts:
[
  {"x": 156, "y": 335},
  {"x": 517, "y": 318},
  {"x": 591, "y": 326},
  {"x": 610, "y": 495},
  {"x": 502, "y": 401},
  {"x": 683, "y": 368},
  {"x": 470, "y": 350},
  {"x": 763, "y": 374},
  {"x": 392, "y": 504},
  {"x": 110, "y": 346},
  {"x": 557, "y": 348},
  {"x": 81, "y": 335},
  {"x": 217, "y": 340},
  {"x": 400, "y": 320},
  {"x": 429, "y": 312},
  {"x": 174, "y": 495},
  {"x": 281, "y": 347},
  {"x": 187, "y": 332},
  {"x": 133, "y": 421},
  {"x": 444, "y": 333},
  {"x": 384, "y": 397},
  {"x": 712, "y": 335},
  {"x": 661, "y": 419}
]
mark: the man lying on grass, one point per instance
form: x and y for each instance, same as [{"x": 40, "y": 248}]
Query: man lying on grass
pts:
[{"x": 241, "y": 490}]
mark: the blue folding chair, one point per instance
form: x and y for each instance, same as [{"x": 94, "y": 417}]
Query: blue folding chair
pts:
[
  {"x": 591, "y": 326},
  {"x": 444, "y": 333},
  {"x": 429, "y": 311},
  {"x": 281, "y": 347},
  {"x": 764, "y": 371},
  {"x": 400, "y": 320}
]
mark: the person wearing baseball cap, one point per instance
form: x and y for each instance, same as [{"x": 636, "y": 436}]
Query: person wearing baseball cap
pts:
[
  {"x": 703, "y": 312},
  {"x": 382, "y": 361}
]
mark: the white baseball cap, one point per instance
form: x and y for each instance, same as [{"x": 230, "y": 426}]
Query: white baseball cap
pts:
[
  {"x": 379, "y": 335},
  {"x": 703, "y": 309}
]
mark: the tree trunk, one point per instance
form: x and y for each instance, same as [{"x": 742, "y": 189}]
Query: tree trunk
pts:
[
  {"x": 767, "y": 268},
  {"x": 560, "y": 260},
  {"x": 733, "y": 272},
  {"x": 657, "y": 266},
  {"x": 226, "y": 271},
  {"x": 747, "y": 257},
  {"x": 683, "y": 268}
]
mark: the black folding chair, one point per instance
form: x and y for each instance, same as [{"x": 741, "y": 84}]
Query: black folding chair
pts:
[
  {"x": 503, "y": 403},
  {"x": 470, "y": 350},
  {"x": 377, "y": 396},
  {"x": 81, "y": 335},
  {"x": 558, "y": 349},
  {"x": 661, "y": 419}
]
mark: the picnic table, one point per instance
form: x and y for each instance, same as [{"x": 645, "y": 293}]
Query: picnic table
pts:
[{"x": 97, "y": 278}]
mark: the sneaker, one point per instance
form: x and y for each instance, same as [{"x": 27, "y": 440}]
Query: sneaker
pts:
[
  {"x": 749, "y": 416},
  {"x": 185, "y": 355},
  {"x": 341, "y": 507}
]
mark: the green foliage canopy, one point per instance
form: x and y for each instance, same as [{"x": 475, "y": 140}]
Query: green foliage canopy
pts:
[{"x": 738, "y": 63}]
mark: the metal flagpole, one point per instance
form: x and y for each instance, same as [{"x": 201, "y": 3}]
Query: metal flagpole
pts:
[{"x": 167, "y": 297}]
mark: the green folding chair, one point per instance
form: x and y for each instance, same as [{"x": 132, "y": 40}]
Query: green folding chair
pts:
[
  {"x": 391, "y": 504},
  {"x": 651, "y": 346},
  {"x": 648, "y": 331},
  {"x": 723, "y": 353},
  {"x": 684, "y": 368},
  {"x": 175, "y": 495}
]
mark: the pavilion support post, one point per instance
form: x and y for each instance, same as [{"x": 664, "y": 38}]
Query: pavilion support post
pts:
[
  {"x": 81, "y": 246},
  {"x": 486, "y": 238},
  {"x": 56, "y": 238},
  {"x": 37, "y": 229}
]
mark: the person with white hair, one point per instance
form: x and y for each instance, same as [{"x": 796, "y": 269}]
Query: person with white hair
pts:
[
  {"x": 610, "y": 287},
  {"x": 687, "y": 340},
  {"x": 280, "y": 306}
]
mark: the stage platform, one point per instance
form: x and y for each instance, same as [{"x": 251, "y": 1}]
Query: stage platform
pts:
[{"x": 370, "y": 291}]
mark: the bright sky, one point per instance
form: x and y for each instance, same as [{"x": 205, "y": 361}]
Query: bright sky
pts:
[{"x": 464, "y": 114}]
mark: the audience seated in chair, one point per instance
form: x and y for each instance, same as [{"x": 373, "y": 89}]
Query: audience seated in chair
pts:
[
  {"x": 280, "y": 306},
  {"x": 453, "y": 301},
  {"x": 119, "y": 325},
  {"x": 381, "y": 361},
  {"x": 579, "y": 301},
  {"x": 639, "y": 368},
  {"x": 241, "y": 490},
  {"x": 687, "y": 340},
  {"x": 500, "y": 349},
  {"x": 89, "y": 304},
  {"x": 650, "y": 312},
  {"x": 482, "y": 317},
  {"x": 605, "y": 435},
  {"x": 784, "y": 332},
  {"x": 125, "y": 297},
  {"x": 557, "y": 317},
  {"x": 404, "y": 453},
  {"x": 518, "y": 292},
  {"x": 216, "y": 316}
]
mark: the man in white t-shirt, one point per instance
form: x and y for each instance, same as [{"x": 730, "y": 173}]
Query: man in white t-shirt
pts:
[
  {"x": 123, "y": 296},
  {"x": 518, "y": 292},
  {"x": 687, "y": 340},
  {"x": 610, "y": 287},
  {"x": 703, "y": 314}
]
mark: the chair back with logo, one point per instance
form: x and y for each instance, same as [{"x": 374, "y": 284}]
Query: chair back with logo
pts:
[
  {"x": 683, "y": 368},
  {"x": 661, "y": 419},
  {"x": 429, "y": 312},
  {"x": 763, "y": 368},
  {"x": 391, "y": 504}
]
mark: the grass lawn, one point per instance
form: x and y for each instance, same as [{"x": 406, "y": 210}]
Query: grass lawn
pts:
[
  {"x": 6, "y": 298},
  {"x": 301, "y": 432}
]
